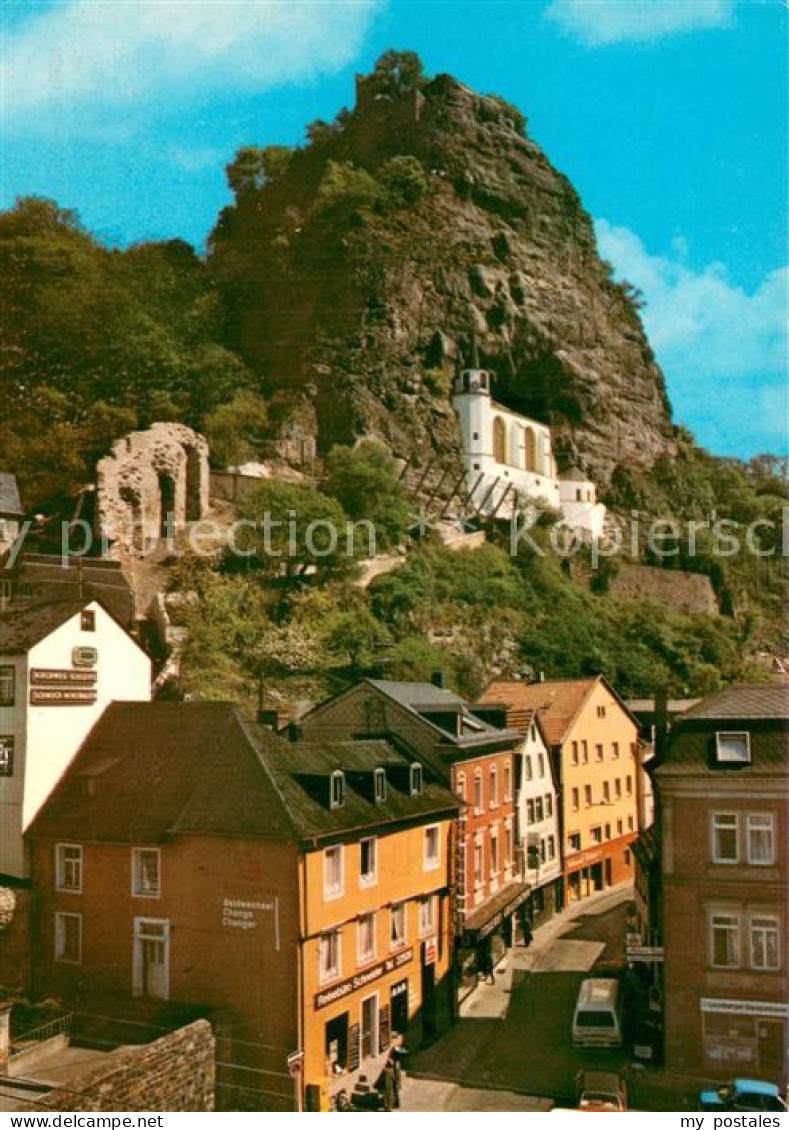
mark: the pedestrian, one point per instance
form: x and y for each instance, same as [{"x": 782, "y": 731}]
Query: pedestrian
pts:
[
  {"x": 525, "y": 925},
  {"x": 393, "y": 1073},
  {"x": 485, "y": 963}
]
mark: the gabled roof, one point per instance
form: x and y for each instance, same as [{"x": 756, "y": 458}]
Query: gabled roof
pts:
[
  {"x": 22, "y": 628},
  {"x": 418, "y": 695},
  {"x": 10, "y": 502},
  {"x": 557, "y": 702},
  {"x": 743, "y": 702},
  {"x": 151, "y": 770}
]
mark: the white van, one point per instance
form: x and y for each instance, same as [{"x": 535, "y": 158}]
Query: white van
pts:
[{"x": 597, "y": 1022}]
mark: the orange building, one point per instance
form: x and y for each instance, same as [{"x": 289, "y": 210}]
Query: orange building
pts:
[
  {"x": 594, "y": 740},
  {"x": 298, "y": 893}
]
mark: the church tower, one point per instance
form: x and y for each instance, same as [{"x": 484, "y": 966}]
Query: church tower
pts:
[{"x": 471, "y": 400}]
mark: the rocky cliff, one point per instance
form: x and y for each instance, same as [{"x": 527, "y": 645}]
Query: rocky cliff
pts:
[{"x": 354, "y": 281}]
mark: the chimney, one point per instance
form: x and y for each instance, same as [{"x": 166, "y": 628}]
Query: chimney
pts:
[
  {"x": 295, "y": 732},
  {"x": 661, "y": 722},
  {"x": 5, "y": 1036},
  {"x": 438, "y": 679}
]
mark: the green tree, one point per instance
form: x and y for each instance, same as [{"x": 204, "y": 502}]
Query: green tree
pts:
[
  {"x": 364, "y": 480},
  {"x": 236, "y": 430},
  {"x": 397, "y": 72},
  {"x": 405, "y": 180}
]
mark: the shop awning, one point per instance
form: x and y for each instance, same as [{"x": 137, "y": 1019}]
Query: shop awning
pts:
[{"x": 494, "y": 910}]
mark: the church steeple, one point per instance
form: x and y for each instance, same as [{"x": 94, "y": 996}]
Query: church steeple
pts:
[{"x": 473, "y": 379}]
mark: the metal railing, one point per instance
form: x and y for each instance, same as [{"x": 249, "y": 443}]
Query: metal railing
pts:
[{"x": 57, "y": 1026}]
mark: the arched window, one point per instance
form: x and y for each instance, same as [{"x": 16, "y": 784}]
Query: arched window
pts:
[
  {"x": 460, "y": 787},
  {"x": 499, "y": 440},
  {"x": 530, "y": 441}
]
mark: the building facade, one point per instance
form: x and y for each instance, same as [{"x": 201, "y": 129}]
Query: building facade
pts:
[
  {"x": 473, "y": 759},
  {"x": 509, "y": 460},
  {"x": 299, "y": 892},
  {"x": 61, "y": 664},
  {"x": 723, "y": 805},
  {"x": 594, "y": 743}
]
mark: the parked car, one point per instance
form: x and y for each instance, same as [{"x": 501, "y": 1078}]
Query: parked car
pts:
[
  {"x": 597, "y": 1020},
  {"x": 600, "y": 1090},
  {"x": 743, "y": 1094}
]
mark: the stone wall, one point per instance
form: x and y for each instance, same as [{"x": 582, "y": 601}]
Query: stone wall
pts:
[
  {"x": 175, "y": 1073},
  {"x": 147, "y": 476},
  {"x": 672, "y": 588}
]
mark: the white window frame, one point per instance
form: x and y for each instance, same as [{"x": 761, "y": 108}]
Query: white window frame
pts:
[
  {"x": 326, "y": 976},
  {"x": 416, "y": 779},
  {"x": 734, "y": 926},
  {"x": 507, "y": 782},
  {"x": 337, "y": 789},
  {"x": 368, "y": 878},
  {"x": 432, "y": 832},
  {"x": 363, "y": 956},
  {"x": 331, "y": 890},
  {"x": 768, "y": 923},
  {"x": 60, "y": 869},
  {"x": 379, "y": 785},
  {"x": 528, "y": 768},
  {"x": 715, "y": 827},
  {"x": 575, "y": 799},
  {"x": 401, "y": 909},
  {"x": 722, "y": 736},
  {"x": 494, "y": 853},
  {"x": 493, "y": 787},
  {"x": 141, "y": 923},
  {"x": 479, "y": 855},
  {"x": 460, "y": 785},
  {"x": 430, "y": 929},
  {"x": 750, "y": 820},
  {"x": 479, "y": 793},
  {"x": 136, "y": 872},
  {"x": 60, "y": 937}
]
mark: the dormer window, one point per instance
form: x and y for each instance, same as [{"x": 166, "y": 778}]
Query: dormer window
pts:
[
  {"x": 733, "y": 748},
  {"x": 379, "y": 780},
  {"x": 337, "y": 795},
  {"x": 416, "y": 780}
]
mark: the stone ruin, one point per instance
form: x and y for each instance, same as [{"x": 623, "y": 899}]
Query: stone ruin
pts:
[{"x": 147, "y": 476}]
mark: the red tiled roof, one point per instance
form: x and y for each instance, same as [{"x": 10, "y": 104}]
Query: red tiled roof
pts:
[{"x": 556, "y": 703}]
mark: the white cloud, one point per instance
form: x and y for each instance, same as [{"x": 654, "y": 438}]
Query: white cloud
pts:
[
  {"x": 121, "y": 53},
  {"x": 723, "y": 349},
  {"x": 598, "y": 23}
]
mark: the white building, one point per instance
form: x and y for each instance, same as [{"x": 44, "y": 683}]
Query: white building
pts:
[
  {"x": 61, "y": 664},
  {"x": 537, "y": 817},
  {"x": 509, "y": 460}
]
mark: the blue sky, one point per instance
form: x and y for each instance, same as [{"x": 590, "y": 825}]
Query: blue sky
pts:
[{"x": 668, "y": 116}]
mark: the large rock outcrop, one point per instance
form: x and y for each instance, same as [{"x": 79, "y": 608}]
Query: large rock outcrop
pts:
[{"x": 365, "y": 304}]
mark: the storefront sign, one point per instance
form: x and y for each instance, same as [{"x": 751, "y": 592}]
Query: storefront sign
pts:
[
  {"x": 242, "y": 914},
  {"x": 49, "y": 677},
  {"x": 586, "y": 858},
  {"x": 644, "y": 953},
  {"x": 61, "y": 696},
  {"x": 361, "y": 980},
  {"x": 51, "y": 687},
  {"x": 765, "y": 1009},
  {"x": 430, "y": 952}
]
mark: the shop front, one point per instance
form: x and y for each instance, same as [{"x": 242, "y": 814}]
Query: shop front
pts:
[
  {"x": 745, "y": 1036},
  {"x": 598, "y": 868},
  {"x": 488, "y": 933}
]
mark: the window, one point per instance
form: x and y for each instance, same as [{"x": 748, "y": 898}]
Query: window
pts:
[
  {"x": 761, "y": 843},
  {"x": 576, "y": 800},
  {"x": 542, "y": 851},
  {"x": 494, "y": 787},
  {"x": 574, "y": 752},
  {"x": 6, "y": 756},
  {"x": 540, "y": 765},
  {"x": 330, "y": 956},
  {"x": 478, "y": 791},
  {"x": 368, "y": 868},
  {"x": 529, "y": 811},
  {"x": 332, "y": 872},
  {"x": 7, "y": 685},
  {"x": 630, "y": 825},
  {"x": 68, "y": 938},
  {"x": 551, "y": 847},
  {"x": 597, "y": 835},
  {"x": 733, "y": 749},
  {"x": 584, "y": 752},
  {"x": 507, "y": 843},
  {"x": 146, "y": 867},
  {"x": 494, "y": 852},
  {"x": 507, "y": 781},
  {"x": 460, "y": 786},
  {"x": 619, "y": 827},
  {"x": 601, "y": 712},
  {"x": 432, "y": 847},
  {"x": 725, "y": 837},
  {"x": 68, "y": 868},
  {"x": 587, "y": 795},
  {"x": 538, "y": 810},
  {"x": 527, "y": 766},
  {"x": 765, "y": 942},
  {"x": 365, "y": 938},
  {"x": 608, "y": 831},
  {"x": 615, "y": 750},
  {"x": 725, "y": 940},
  {"x": 416, "y": 780},
  {"x": 574, "y": 840},
  {"x": 618, "y": 788},
  {"x": 379, "y": 782},
  {"x": 427, "y": 915},
  {"x": 87, "y": 620},
  {"x": 397, "y": 934},
  {"x": 629, "y": 785},
  {"x": 606, "y": 792},
  {"x": 598, "y": 752},
  {"x": 337, "y": 789},
  {"x": 478, "y": 864}
]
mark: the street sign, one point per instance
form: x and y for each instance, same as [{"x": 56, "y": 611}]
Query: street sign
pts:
[
  {"x": 295, "y": 1063},
  {"x": 644, "y": 953}
]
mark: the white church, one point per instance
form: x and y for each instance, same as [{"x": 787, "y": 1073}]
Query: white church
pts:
[{"x": 509, "y": 461}]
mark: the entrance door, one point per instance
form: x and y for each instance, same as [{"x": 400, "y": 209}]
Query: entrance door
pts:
[
  {"x": 399, "y": 1012},
  {"x": 596, "y": 874},
  {"x": 151, "y": 969},
  {"x": 370, "y": 1026}
]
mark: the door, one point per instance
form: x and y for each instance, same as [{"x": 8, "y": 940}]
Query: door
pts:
[
  {"x": 151, "y": 967},
  {"x": 399, "y": 1001},
  {"x": 370, "y": 1026}
]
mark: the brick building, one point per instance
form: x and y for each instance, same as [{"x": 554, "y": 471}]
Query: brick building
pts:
[
  {"x": 471, "y": 757},
  {"x": 594, "y": 743},
  {"x": 299, "y": 891},
  {"x": 723, "y": 812}
]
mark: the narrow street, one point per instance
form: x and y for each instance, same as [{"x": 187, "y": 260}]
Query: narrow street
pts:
[{"x": 512, "y": 1047}]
